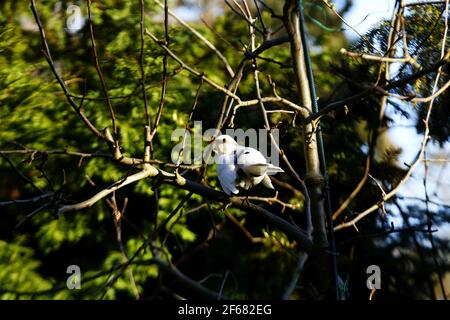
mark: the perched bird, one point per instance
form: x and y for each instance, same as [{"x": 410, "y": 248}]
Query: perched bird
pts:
[{"x": 240, "y": 167}]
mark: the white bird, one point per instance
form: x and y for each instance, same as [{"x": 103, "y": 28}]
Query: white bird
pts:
[{"x": 241, "y": 167}]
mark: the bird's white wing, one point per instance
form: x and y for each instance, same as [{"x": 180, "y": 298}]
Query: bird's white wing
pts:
[
  {"x": 227, "y": 173},
  {"x": 253, "y": 163}
]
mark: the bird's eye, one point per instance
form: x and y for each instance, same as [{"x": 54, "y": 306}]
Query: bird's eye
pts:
[{"x": 224, "y": 140}]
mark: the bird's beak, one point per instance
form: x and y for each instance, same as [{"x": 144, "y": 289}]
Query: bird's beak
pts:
[{"x": 212, "y": 140}]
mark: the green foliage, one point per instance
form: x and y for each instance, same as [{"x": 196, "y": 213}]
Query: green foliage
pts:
[{"x": 19, "y": 270}]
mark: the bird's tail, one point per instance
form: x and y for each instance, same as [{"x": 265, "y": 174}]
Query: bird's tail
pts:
[
  {"x": 271, "y": 169},
  {"x": 256, "y": 170},
  {"x": 266, "y": 182}
]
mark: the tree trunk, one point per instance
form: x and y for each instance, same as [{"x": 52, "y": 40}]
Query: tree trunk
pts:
[{"x": 313, "y": 177}]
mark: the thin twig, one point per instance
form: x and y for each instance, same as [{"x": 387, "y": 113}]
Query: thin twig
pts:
[
  {"x": 202, "y": 38},
  {"x": 373, "y": 90},
  {"x": 100, "y": 75},
  {"x": 23, "y": 176},
  {"x": 421, "y": 152},
  {"x": 30, "y": 215},
  {"x": 164, "y": 73},
  {"x": 191, "y": 70},
  {"x": 61, "y": 82},
  {"x": 332, "y": 8},
  {"x": 27, "y": 201},
  {"x": 117, "y": 219},
  {"x": 141, "y": 62}
]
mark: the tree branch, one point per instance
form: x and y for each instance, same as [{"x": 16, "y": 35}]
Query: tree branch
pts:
[
  {"x": 201, "y": 38},
  {"x": 374, "y": 90},
  {"x": 49, "y": 58}
]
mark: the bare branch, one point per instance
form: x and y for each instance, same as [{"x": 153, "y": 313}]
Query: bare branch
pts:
[
  {"x": 21, "y": 174},
  {"x": 366, "y": 56},
  {"x": 332, "y": 8},
  {"x": 190, "y": 283},
  {"x": 191, "y": 70},
  {"x": 164, "y": 77},
  {"x": 202, "y": 38},
  {"x": 148, "y": 172},
  {"x": 423, "y": 3},
  {"x": 373, "y": 90},
  {"x": 27, "y": 201},
  {"x": 142, "y": 60},
  {"x": 100, "y": 75},
  {"x": 61, "y": 82},
  {"x": 421, "y": 152},
  {"x": 30, "y": 215}
]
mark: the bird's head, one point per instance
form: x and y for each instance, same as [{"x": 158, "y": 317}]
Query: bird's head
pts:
[{"x": 224, "y": 144}]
